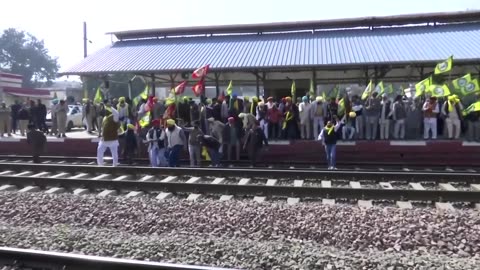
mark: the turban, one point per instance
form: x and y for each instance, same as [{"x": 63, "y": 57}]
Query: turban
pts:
[
  {"x": 130, "y": 126},
  {"x": 170, "y": 122}
]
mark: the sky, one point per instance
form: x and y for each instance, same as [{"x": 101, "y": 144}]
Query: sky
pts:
[{"x": 60, "y": 22}]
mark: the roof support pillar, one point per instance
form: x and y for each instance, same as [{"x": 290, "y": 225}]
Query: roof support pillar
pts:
[
  {"x": 314, "y": 80},
  {"x": 152, "y": 93},
  {"x": 367, "y": 77},
  {"x": 258, "y": 84},
  {"x": 375, "y": 76},
  {"x": 217, "y": 85}
]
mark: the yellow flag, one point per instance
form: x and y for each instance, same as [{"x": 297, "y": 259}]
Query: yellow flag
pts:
[
  {"x": 229, "y": 89},
  {"x": 439, "y": 90},
  {"x": 368, "y": 90},
  {"x": 205, "y": 153},
  {"x": 461, "y": 82},
  {"x": 293, "y": 91},
  {"x": 471, "y": 87},
  {"x": 341, "y": 107},
  {"x": 145, "y": 120},
  {"x": 444, "y": 66},
  {"x": 98, "y": 96},
  {"x": 474, "y": 107},
  {"x": 379, "y": 88},
  {"x": 312, "y": 91},
  {"x": 422, "y": 87}
]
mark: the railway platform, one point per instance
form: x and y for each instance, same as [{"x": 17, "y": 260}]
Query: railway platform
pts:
[{"x": 438, "y": 152}]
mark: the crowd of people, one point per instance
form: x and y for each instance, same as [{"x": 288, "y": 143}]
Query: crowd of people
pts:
[{"x": 232, "y": 124}]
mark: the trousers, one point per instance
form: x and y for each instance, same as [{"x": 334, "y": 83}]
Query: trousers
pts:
[
  {"x": 453, "y": 127},
  {"x": 318, "y": 125},
  {"x": 195, "y": 155},
  {"x": 305, "y": 131},
  {"x": 473, "y": 131},
  {"x": 102, "y": 147},
  {"x": 384, "y": 129},
  {"x": 157, "y": 157},
  {"x": 331, "y": 154},
  {"x": 174, "y": 155},
  {"x": 359, "y": 127},
  {"x": 399, "y": 129},
  {"x": 371, "y": 127},
  {"x": 429, "y": 124},
  {"x": 264, "y": 126},
  {"x": 348, "y": 132}
]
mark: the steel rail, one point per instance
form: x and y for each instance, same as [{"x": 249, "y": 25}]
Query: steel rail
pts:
[
  {"x": 470, "y": 178},
  {"x": 386, "y": 166},
  {"x": 36, "y": 259},
  {"x": 249, "y": 190}
]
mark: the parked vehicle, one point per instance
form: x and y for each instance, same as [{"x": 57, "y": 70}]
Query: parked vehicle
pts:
[{"x": 74, "y": 117}]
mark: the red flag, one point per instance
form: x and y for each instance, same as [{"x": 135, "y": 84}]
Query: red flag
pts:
[
  {"x": 150, "y": 103},
  {"x": 201, "y": 72},
  {"x": 221, "y": 97},
  {"x": 180, "y": 88},
  {"x": 199, "y": 87}
]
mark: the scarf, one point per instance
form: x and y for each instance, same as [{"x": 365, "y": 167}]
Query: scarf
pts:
[
  {"x": 329, "y": 130},
  {"x": 252, "y": 106}
]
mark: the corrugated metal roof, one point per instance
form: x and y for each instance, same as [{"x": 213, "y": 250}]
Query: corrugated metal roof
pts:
[{"x": 397, "y": 45}]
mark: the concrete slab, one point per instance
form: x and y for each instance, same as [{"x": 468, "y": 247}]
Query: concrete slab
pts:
[
  {"x": 298, "y": 183},
  {"x": 404, "y": 204},
  {"x": 355, "y": 184},
  {"x": 447, "y": 187},
  {"x": 444, "y": 206},
  {"x": 226, "y": 197},
  {"x": 365, "y": 203},
  {"x": 22, "y": 173},
  {"x": 5, "y": 172},
  {"x": 475, "y": 187},
  {"x": 169, "y": 179},
  {"x": 80, "y": 191},
  {"x": 271, "y": 182},
  {"x": 29, "y": 189},
  {"x": 477, "y": 206},
  {"x": 417, "y": 186},
  {"x": 101, "y": 176},
  {"x": 328, "y": 201},
  {"x": 146, "y": 178},
  {"x": 194, "y": 196},
  {"x": 7, "y": 187},
  {"x": 408, "y": 143},
  {"x": 78, "y": 176},
  {"x": 164, "y": 196},
  {"x": 9, "y": 139},
  {"x": 59, "y": 175},
  {"x": 134, "y": 194},
  {"x": 55, "y": 190},
  {"x": 259, "y": 199},
  {"x": 292, "y": 201},
  {"x": 120, "y": 178},
  {"x": 107, "y": 192},
  {"x": 386, "y": 185},
  {"x": 217, "y": 181},
  {"x": 243, "y": 181},
  {"x": 326, "y": 184},
  {"x": 46, "y": 162},
  {"x": 193, "y": 180}
]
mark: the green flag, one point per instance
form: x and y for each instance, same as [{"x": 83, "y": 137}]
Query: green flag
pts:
[
  {"x": 312, "y": 91},
  {"x": 474, "y": 107},
  {"x": 422, "y": 87},
  {"x": 471, "y": 87},
  {"x": 368, "y": 90},
  {"x": 294, "y": 91},
  {"x": 229, "y": 89},
  {"x": 439, "y": 90},
  {"x": 379, "y": 88},
  {"x": 98, "y": 96},
  {"x": 461, "y": 82}
]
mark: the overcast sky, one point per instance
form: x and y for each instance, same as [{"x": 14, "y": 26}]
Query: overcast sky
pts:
[{"x": 59, "y": 22}]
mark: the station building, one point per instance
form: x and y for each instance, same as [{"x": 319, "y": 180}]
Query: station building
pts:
[{"x": 262, "y": 59}]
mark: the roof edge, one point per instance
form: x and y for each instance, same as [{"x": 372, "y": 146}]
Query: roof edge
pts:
[{"x": 439, "y": 17}]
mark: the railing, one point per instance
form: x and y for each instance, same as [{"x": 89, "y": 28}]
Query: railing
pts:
[{"x": 35, "y": 259}]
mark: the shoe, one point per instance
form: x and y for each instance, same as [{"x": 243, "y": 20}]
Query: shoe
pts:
[
  {"x": 334, "y": 168},
  {"x": 329, "y": 168}
]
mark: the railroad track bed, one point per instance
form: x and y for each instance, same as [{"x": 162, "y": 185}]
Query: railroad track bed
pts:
[
  {"x": 195, "y": 184},
  {"x": 241, "y": 234},
  {"x": 91, "y": 161}
]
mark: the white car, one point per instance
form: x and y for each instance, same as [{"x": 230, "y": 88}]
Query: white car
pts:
[{"x": 74, "y": 117}]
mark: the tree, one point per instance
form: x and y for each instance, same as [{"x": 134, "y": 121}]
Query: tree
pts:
[{"x": 22, "y": 53}]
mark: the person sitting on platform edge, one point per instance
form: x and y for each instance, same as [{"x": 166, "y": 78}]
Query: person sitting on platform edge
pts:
[
  {"x": 110, "y": 126},
  {"x": 328, "y": 137},
  {"x": 37, "y": 140}
]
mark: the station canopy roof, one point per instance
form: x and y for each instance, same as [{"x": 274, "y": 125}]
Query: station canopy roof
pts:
[{"x": 394, "y": 40}]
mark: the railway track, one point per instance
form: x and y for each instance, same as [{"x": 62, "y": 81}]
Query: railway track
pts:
[
  {"x": 366, "y": 166},
  {"x": 366, "y": 188}
]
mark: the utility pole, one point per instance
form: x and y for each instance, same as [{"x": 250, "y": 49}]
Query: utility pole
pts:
[
  {"x": 85, "y": 90},
  {"x": 85, "y": 39}
]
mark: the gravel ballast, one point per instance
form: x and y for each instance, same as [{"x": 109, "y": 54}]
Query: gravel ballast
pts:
[{"x": 242, "y": 233}]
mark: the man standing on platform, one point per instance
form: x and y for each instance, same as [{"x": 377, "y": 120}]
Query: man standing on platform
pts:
[
  {"x": 110, "y": 126},
  {"x": 372, "y": 112},
  {"x": 385, "y": 115},
  {"x": 5, "y": 120},
  {"x": 61, "y": 111},
  {"x": 305, "y": 120},
  {"x": 328, "y": 137},
  {"x": 430, "y": 112},
  {"x": 37, "y": 140}
]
